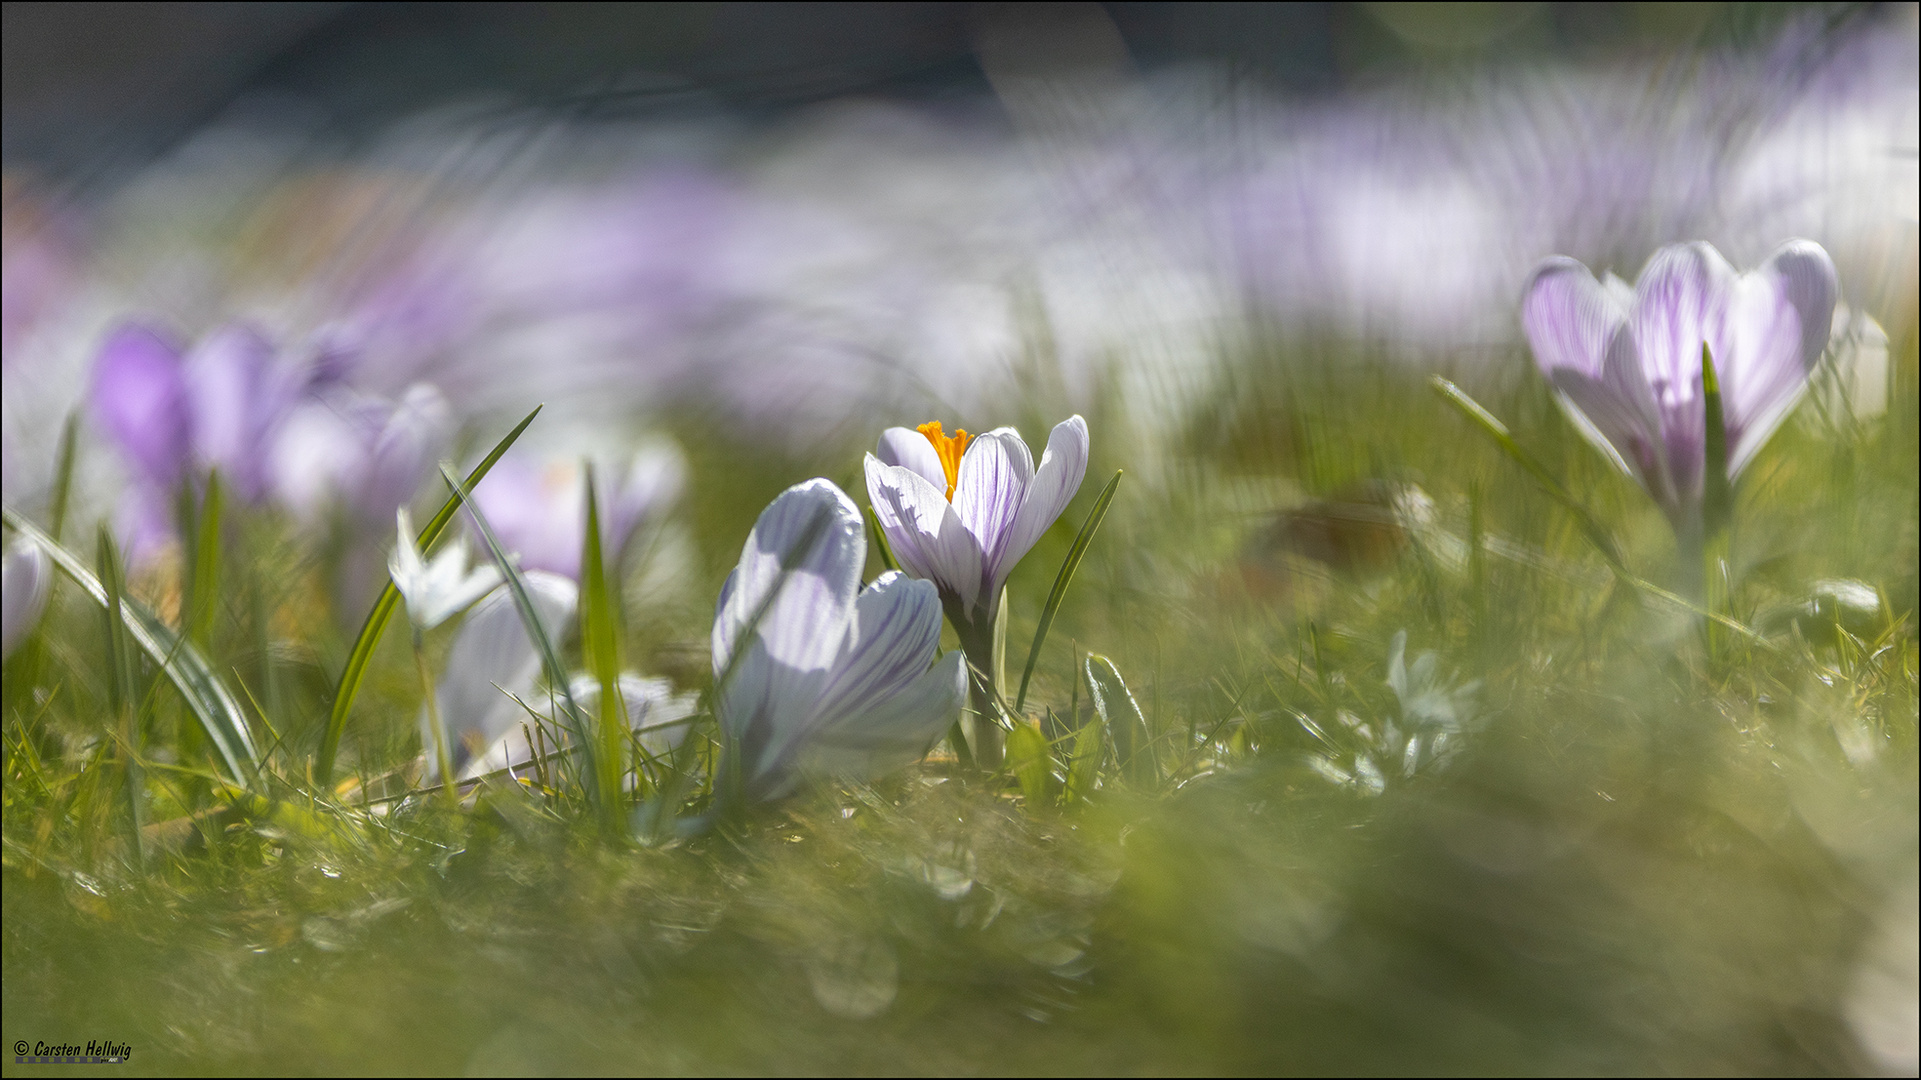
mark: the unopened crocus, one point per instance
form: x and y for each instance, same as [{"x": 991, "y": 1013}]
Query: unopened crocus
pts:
[
  {"x": 491, "y": 657},
  {"x": 539, "y": 509},
  {"x": 26, "y": 576},
  {"x": 815, "y": 674},
  {"x": 1627, "y": 362}
]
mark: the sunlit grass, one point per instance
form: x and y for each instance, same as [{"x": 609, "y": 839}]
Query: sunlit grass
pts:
[{"x": 1562, "y": 838}]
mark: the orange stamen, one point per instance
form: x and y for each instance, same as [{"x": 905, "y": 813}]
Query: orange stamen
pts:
[{"x": 950, "y": 448}]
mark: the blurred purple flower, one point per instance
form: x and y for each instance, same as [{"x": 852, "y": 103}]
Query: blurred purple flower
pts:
[
  {"x": 216, "y": 406},
  {"x": 814, "y": 673},
  {"x": 1627, "y": 364},
  {"x": 961, "y": 512},
  {"x": 366, "y": 451},
  {"x": 26, "y": 577},
  {"x": 540, "y": 510}
]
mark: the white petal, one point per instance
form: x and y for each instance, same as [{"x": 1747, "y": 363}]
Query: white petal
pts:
[
  {"x": 896, "y": 732},
  {"x": 897, "y": 623},
  {"x": 1779, "y": 320},
  {"x": 925, "y": 532},
  {"x": 912, "y": 450},
  {"x": 1063, "y": 467},
  {"x": 1570, "y": 318},
  {"x": 493, "y": 653},
  {"x": 994, "y": 474}
]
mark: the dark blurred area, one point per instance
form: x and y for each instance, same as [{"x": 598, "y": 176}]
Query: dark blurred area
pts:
[{"x": 92, "y": 87}]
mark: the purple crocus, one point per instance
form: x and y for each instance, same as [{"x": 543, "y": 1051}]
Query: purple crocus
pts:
[
  {"x": 539, "y": 508},
  {"x": 960, "y": 511},
  {"x": 173, "y": 412},
  {"x": 814, "y": 673},
  {"x": 1627, "y": 363}
]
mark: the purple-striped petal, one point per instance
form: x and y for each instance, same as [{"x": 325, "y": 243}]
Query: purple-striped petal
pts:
[
  {"x": 994, "y": 474},
  {"x": 1063, "y": 467},
  {"x": 896, "y": 732},
  {"x": 1570, "y": 318},
  {"x": 924, "y": 531},
  {"x": 911, "y": 450},
  {"x": 799, "y": 574},
  {"x": 897, "y": 622},
  {"x": 139, "y": 396},
  {"x": 1777, "y": 328},
  {"x": 1680, "y": 302}
]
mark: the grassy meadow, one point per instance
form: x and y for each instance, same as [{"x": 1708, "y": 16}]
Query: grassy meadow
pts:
[{"x": 1418, "y": 783}]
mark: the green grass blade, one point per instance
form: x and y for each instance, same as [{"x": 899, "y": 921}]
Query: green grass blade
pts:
[
  {"x": 212, "y": 705},
  {"x": 363, "y": 648},
  {"x": 1028, "y": 758},
  {"x": 1716, "y": 496},
  {"x": 879, "y": 537},
  {"x": 121, "y": 691},
  {"x": 576, "y": 720},
  {"x": 204, "y": 585},
  {"x": 1591, "y": 526},
  {"x": 63, "y": 476},
  {"x": 599, "y": 643},
  {"x": 1126, "y": 726},
  {"x": 1062, "y": 580}
]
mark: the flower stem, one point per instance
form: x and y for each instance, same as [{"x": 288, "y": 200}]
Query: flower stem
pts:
[{"x": 442, "y": 757}]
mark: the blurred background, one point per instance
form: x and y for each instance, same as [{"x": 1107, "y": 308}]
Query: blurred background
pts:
[{"x": 794, "y": 214}]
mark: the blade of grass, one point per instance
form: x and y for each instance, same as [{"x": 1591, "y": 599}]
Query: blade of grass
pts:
[
  {"x": 1062, "y": 580},
  {"x": 121, "y": 691},
  {"x": 600, "y": 645},
  {"x": 203, "y": 587},
  {"x": 206, "y": 696},
  {"x": 879, "y": 538},
  {"x": 363, "y": 647}
]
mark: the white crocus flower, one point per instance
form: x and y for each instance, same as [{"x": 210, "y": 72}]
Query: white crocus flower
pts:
[
  {"x": 961, "y": 511},
  {"x": 435, "y": 591},
  {"x": 814, "y": 673}
]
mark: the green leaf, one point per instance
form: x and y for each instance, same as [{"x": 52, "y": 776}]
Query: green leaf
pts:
[
  {"x": 1029, "y": 759},
  {"x": 1062, "y": 580},
  {"x": 1084, "y": 767},
  {"x": 1133, "y": 746},
  {"x": 1716, "y": 497},
  {"x": 121, "y": 691},
  {"x": 212, "y": 706},
  {"x": 599, "y": 641},
  {"x": 362, "y": 653},
  {"x": 204, "y": 584},
  {"x": 879, "y": 538},
  {"x": 576, "y": 718}
]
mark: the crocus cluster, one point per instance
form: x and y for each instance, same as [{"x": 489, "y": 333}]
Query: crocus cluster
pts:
[
  {"x": 274, "y": 425},
  {"x": 1627, "y": 361}
]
